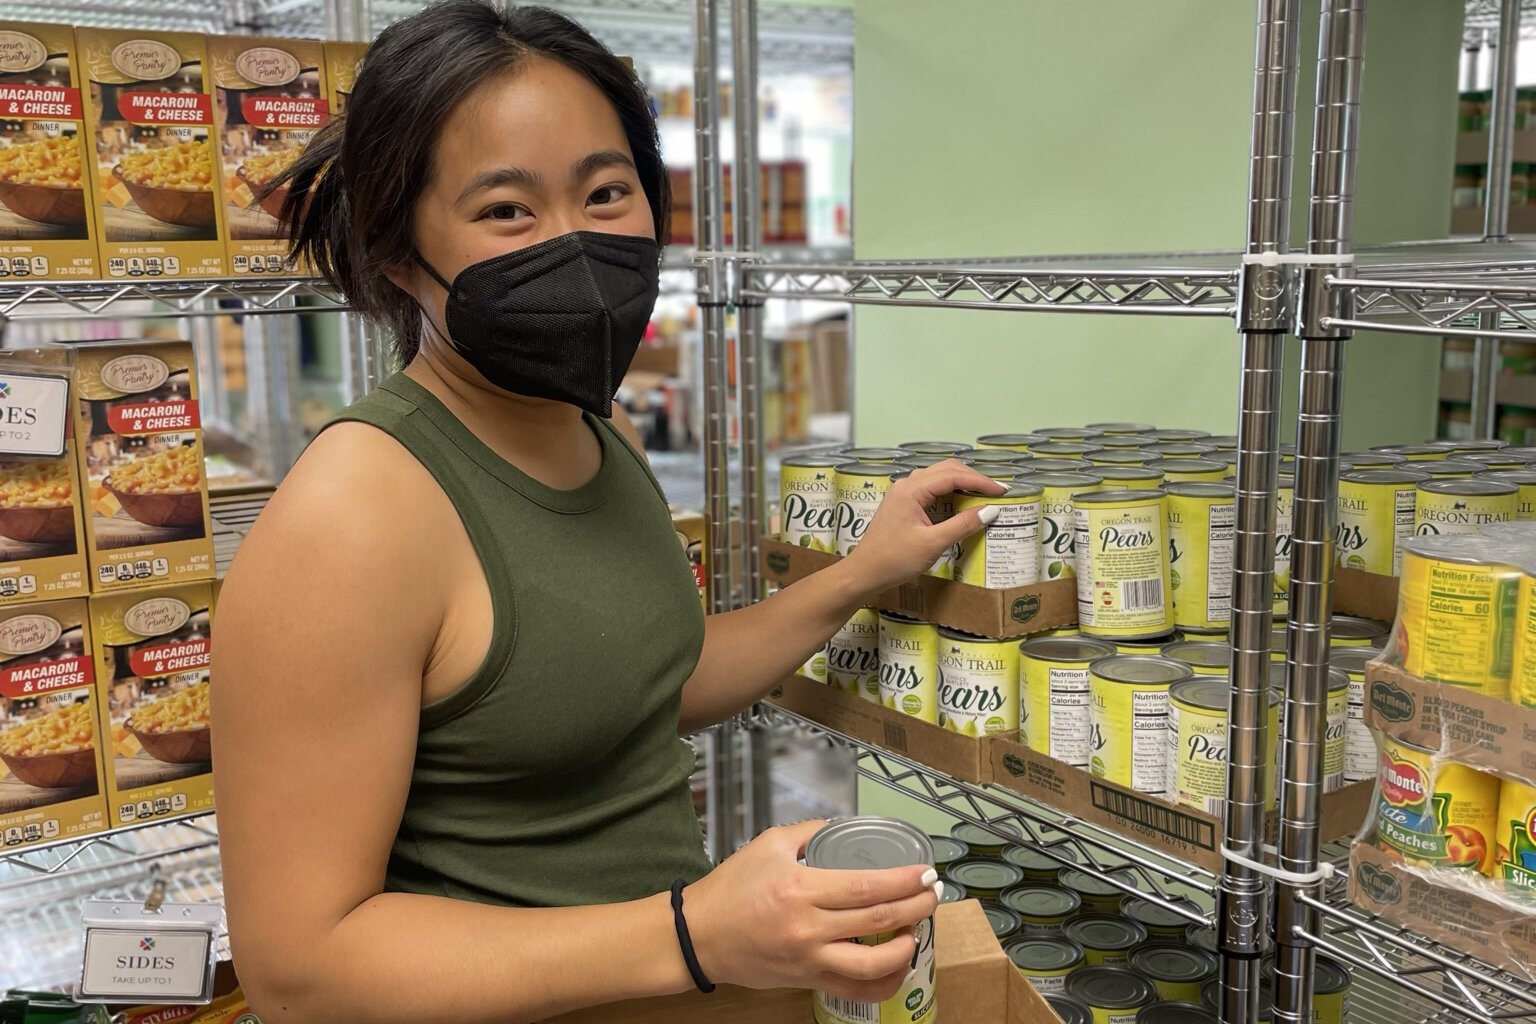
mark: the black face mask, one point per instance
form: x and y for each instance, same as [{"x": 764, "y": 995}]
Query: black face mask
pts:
[{"x": 559, "y": 320}]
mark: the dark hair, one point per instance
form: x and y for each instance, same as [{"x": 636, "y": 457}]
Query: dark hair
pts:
[{"x": 350, "y": 207}]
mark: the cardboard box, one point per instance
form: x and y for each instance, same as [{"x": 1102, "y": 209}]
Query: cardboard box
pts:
[
  {"x": 154, "y": 180},
  {"x": 977, "y": 984},
  {"x": 153, "y": 652},
  {"x": 959, "y": 757},
  {"x": 1183, "y": 832},
  {"x": 1015, "y": 611},
  {"x": 269, "y": 100},
  {"x": 342, "y": 63},
  {"x": 1460, "y": 918},
  {"x": 1465, "y": 725},
  {"x": 48, "y": 694},
  {"x": 42, "y": 533},
  {"x": 1365, "y": 594},
  {"x": 46, "y": 228},
  {"x": 141, "y": 465}
]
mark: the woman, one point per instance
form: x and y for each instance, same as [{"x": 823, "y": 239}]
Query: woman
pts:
[{"x": 457, "y": 651}]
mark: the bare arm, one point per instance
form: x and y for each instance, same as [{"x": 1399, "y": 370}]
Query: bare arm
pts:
[
  {"x": 747, "y": 652},
  {"x": 320, "y": 659}
]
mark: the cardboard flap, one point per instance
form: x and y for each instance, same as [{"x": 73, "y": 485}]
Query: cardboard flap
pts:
[{"x": 1365, "y": 594}]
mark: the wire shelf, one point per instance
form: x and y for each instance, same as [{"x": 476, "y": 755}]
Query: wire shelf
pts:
[
  {"x": 1158, "y": 878},
  {"x": 100, "y": 300},
  {"x": 1444, "y": 289}
]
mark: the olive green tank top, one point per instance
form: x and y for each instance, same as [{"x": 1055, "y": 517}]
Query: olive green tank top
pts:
[{"x": 554, "y": 776}]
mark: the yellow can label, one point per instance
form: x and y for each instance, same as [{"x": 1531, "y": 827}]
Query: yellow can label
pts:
[
  {"x": 1375, "y": 521},
  {"x": 1053, "y": 714},
  {"x": 815, "y": 666},
  {"x": 1330, "y": 1007},
  {"x": 808, "y": 507},
  {"x": 1123, "y": 585},
  {"x": 1516, "y": 856},
  {"x": 909, "y": 668},
  {"x": 1523, "y": 684},
  {"x": 1438, "y": 514},
  {"x": 1360, "y": 758},
  {"x": 1058, "y": 552},
  {"x": 1130, "y": 734},
  {"x": 858, "y": 499},
  {"x": 978, "y": 686},
  {"x": 1006, "y": 553},
  {"x": 853, "y": 656},
  {"x": 915, "y": 1002},
  {"x": 1285, "y": 501},
  {"x": 941, "y": 511},
  {"x": 1525, "y": 503},
  {"x": 1334, "y": 739},
  {"x": 1435, "y": 813},
  {"x": 1201, "y": 535},
  {"x": 1197, "y": 756},
  {"x": 1455, "y": 622}
]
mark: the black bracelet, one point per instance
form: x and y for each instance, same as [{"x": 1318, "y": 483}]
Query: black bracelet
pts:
[{"x": 685, "y": 941}]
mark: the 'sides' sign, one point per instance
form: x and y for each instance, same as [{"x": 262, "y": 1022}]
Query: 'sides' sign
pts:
[
  {"x": 33, "y": 411},
  {"x": 134, "y": 955}
]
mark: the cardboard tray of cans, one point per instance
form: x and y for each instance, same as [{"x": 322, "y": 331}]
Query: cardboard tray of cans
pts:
[
  {"x": 977, "y": 982},
  {"x": 1015, "y": 611},
  {"x": 1366, "y": 594},
  {"x": 1183, "y": 832},
  {"x": 1488, "y": 733},
  {"x": 959, "y": 757},
  {"x": 1457, "y": 917}
]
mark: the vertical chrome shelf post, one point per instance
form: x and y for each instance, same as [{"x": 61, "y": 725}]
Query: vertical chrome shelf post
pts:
[
  {"x": 1340, "y": 60},
  {"x": 1501, "y": 154},
  {"x": 1265, "y": 298}
]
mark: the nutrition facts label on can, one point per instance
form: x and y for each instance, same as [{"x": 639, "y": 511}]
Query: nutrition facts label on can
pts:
[
  {"x": 1149, "y": 741},
  {"x": 1071, "y": 728},
  {"x": 1406, "y": 501},
  {"x": 1218, "y": 569},
  {"x": 1012, "y": 547},
  {"x": 1361, "y": 761}
]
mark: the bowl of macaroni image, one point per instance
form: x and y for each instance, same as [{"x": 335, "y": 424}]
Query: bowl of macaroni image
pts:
[
  {"x": 43, "y": 180},
  {"x": 52, "y": 750},
  {"x": 173, "y": 183},
  {"x": 37, "y": 502},
  {"x": 174, "y": 729},
  {"x": 163, "y": 488},
  {"x": 258, "y": 172}
]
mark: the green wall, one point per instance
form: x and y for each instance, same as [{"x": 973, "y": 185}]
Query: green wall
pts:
[{"x": 1023, "y": 127}]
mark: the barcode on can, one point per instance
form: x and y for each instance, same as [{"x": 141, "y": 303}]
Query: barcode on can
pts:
[
  {"x": 846, "y": 1010},
  {"x": 1141, "y": 595}
]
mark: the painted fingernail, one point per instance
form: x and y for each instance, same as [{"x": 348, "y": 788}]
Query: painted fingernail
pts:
[
  {"x": 930, "y": 877},
  {"x": 988, "y": 515},
  {"x": 938, "y": 891}
]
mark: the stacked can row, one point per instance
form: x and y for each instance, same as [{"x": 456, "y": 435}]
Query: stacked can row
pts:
[{"x": 1093, "y": 951}]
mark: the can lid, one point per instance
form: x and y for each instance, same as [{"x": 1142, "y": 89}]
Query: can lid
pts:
[
  {"x": 1119, "y": 495},
  {"x": 1110, "y": 988},
  {"x": 1408, "y": 449},
  {"x": 972, "y": 638},
  {"x": 916, "y": 461},
  {"x": 1121, "y": 473},
  {"x": 1466, "y": 548},
  {"x": 986, "y": 874},
  {"x": 1122, "y": 428},
  {"x": 1352, "y": 659},
  {"x": 1067, "y": 478},
  {"x": 1030, "y": 859},
  {"x": 1123, "y": 457},
  {"x": 1202, "y": 938},
  {"x": 867, "y": 469},
  {"x": 815, "y": 461},
  {"x": 1042, "y": 901},
  {"x": 1330, "y": 976},
  {"x": 1150, "y": 914},
  {"x": 1021, "y": 487},
  {"x": 999, "y": 470},
  {"x": 1224, "y": 442},
  {"x": 874, "y": 454},
  {"x": 1140, "y": 668},
  {"x": 1204, "y": 653},
  {"x": 868, "y": 843},
  {"x": 1066, "y": 448},
  {"x": 1100, "y": 931},
  {"x": 947, "y": 850},
  {"x": 1012, "y": 439},
  {"x": 1353, "y": 627},
  {"x": 974, "y": 835},
  {"x": 1066, "y": 648},
  {"x": 898, "y": 617},
  {"x": 1514, "y": 476},
  {"x": 1184, "y": 449},
  {"x": 933, "y": 447},
  {"x": 1070, "y": 1010},
  {"x": 1384, "y": 476},
  {"x": 1448, "y": 468},
  {"x": 1063, "y": 466},
  {"x": 1470, "y": 488},
  {"x": 1175, "y": 1013},
  {"x": 1150, "y": 644},
  {"x": 1369, "y": 460},
  {"x": 1206, "y": 692},
  {"x": 1126, "y": 440},
  {"x": 1182, "y": 434},
  {"x": 1194, "y": 466},
  {"x": 1044, "y": 954},
  {"x": 1004, "y": 922},
  {"x": 1068, "y": 433},
  {"x": 1083, "y": 883},
  {"x": 1494, "y": 458},
  {"x": 991, "y": 456},
  {"x": 952, "y": 892},
  {"x": 1167, "y": 962}
]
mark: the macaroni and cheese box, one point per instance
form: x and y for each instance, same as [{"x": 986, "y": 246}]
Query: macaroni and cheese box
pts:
[
  {"x": 152, "y": 655},
  {"x": 51, "y": 784},
  {"x": 46, "y": 229},
  {"x": 150, "y": 113},
  {"x": 269, "y": 100},
  {"x": 342, "y": 63},
  {"x": 42, "y": 532},
  {"x": 141, "y": 465}
]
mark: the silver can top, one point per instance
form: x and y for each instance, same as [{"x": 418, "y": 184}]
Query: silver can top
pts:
[
  {"x": 868, "y": 843},
  {"x": 1140, "y": 668}
]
